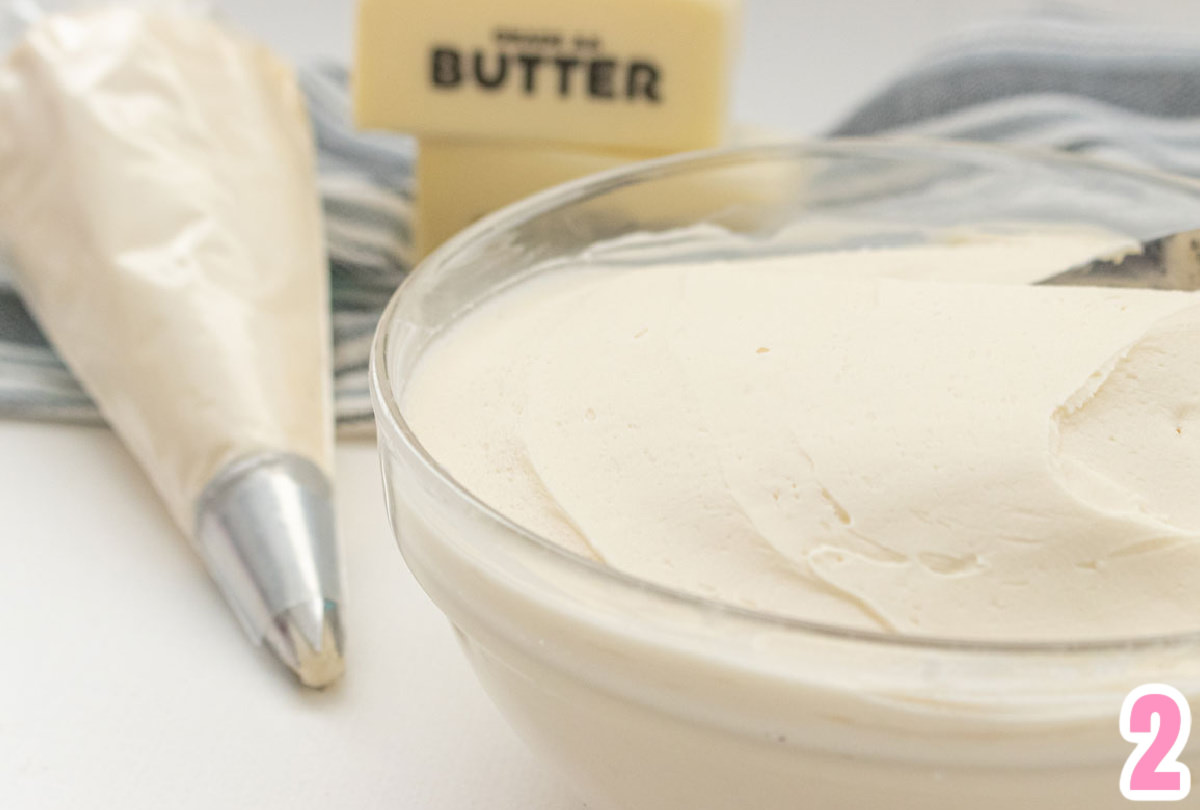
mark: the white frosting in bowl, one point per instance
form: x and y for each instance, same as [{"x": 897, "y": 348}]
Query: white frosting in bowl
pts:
[{"x": 908, "y": 439}]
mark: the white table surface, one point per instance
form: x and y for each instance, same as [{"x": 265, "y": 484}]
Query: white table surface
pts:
[{"x": 124, "y": 681}]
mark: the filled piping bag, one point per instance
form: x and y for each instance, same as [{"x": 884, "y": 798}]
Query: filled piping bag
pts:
[{"x": 158, "y": 196}]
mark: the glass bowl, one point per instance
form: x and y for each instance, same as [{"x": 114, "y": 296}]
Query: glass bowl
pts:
[{"x": 652, "y": 699}]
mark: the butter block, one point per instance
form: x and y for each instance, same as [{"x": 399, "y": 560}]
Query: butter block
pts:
[
  {"x": 459, "y": 181},
  {"x": 649, "y": 75}
]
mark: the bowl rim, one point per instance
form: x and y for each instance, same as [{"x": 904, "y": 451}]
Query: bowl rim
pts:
[{"x": 390, "y": 419}]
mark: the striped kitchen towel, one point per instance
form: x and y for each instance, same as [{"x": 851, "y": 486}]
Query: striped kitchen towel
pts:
[{"x": 1115, "y": 92}]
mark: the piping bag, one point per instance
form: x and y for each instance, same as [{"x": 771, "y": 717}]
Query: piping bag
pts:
[{"x": 158, "y": 198}]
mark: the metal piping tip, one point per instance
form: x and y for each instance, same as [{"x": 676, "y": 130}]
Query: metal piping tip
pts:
[
  {"x": 265, "y": 527},
  {"x": 308, "y": 639}
]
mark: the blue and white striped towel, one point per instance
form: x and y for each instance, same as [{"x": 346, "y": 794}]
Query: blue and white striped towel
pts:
[{"x": 1114, "y": 92}]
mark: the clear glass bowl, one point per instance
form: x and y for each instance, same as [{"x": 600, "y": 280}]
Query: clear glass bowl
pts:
[{"x": 651, "y": 699}]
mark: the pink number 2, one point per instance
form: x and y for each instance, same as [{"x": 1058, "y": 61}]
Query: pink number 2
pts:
[{"x": 1153, "y": 772}]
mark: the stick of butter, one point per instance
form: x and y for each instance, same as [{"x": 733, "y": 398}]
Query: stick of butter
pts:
[
  {"x": 459, "y": 181},
  {"x": 649, "y": 75}
]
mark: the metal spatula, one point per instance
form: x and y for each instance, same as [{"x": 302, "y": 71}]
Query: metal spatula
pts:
[{"x": 1167, "y": 263}]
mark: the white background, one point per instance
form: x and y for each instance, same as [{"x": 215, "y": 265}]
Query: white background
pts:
[{"x": 124, "y": 682}]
